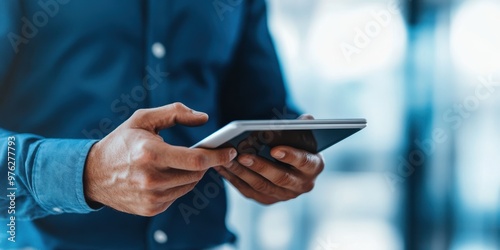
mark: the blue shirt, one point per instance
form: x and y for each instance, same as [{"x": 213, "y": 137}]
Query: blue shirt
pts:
[{"x": 73, "y": 70}]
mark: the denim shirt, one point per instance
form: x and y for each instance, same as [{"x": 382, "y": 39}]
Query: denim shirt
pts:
[{"x": 73, "y": 70}]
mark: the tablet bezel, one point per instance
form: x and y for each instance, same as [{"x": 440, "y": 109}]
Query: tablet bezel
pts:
[{"x": 238, "y": 127}]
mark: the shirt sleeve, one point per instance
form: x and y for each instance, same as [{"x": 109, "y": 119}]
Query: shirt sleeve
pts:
[
  {"x": 254, "y": 87},
  {"x": 41, "y": 177},
  {"x": 38, "y": 176}
]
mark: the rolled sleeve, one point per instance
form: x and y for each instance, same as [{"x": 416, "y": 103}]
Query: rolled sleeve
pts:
[{"x": 58, "y": 175}]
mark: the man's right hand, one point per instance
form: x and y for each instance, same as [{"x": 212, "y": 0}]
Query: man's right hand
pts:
[{"x": 134, "y": 171}]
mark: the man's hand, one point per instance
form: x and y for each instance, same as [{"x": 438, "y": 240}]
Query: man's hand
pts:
[
  {"x": 267, "y": 182},
  {"x": 134, "y": 171}
]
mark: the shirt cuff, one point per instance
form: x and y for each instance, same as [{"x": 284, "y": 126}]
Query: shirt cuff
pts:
[{"x": 58, "y": 175}]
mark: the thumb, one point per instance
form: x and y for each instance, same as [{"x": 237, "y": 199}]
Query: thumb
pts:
[{"x": 155, "y": 119}]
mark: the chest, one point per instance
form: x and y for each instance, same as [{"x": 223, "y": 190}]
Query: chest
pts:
[{"x": 204, "y": 30}]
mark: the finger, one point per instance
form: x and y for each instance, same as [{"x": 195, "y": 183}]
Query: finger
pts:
[
  {"x": 244, "y": 188},
  {"x": 277, "y": 175},
  {"x": 259, "y": 182},
  {"x": 175, "y": 193},
  {"x": 307, "y": 163},
  {"x": 155, "y": 119},
  {"x": 158, "y": 197},
  {"x": 192, "y": 159},
  {"x": 154, "y": 203},
  {"x": 306, "y": 117},
  {"x": 170, "y": 178}
]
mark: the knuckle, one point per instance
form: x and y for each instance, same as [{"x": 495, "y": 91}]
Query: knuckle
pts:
[
  {"x": 142, "y": 155},
  {"x": 198, "y": 160},
  {"x": 258, "y": 167},
  {"x": 321, "y": 165},
  {"x": 267, "y": 201},
  {"x": 261, "y": 185},
  {"x": 149, "y": 211},
  {"x": 147, "y": 182},
  {"x": 284, "y": 179},
  {"x": 293, "y": 195},
  {"x": 290, "y": 195},
  {"x": 151, "y": 198},
  {"x": 306, "y": 160},
  {"x": 178, "y": 106},
  {"x": 139, "y": 114},
  {"x": 307, "y": 187},
  {"x": 236, "y": 169}
]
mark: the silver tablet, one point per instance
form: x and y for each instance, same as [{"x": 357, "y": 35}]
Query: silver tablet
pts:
[{"x": 260, "y": 136}]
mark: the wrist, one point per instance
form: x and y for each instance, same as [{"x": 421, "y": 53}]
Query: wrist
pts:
[{"x": 89, "y": 185}]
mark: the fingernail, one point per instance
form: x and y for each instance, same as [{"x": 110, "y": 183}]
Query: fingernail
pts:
[
  {"x": 246, "y": 162},
  {"x": 308, "y": 117},
  {"x": 232, "y": 154},
  {"x": 279, "y": 154},
  {"x": 198, "y": 113}
]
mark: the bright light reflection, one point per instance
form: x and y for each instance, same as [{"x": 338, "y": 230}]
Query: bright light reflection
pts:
[
  {"x": 348, "y": 42},
  {"x": 475, "y": 38}
]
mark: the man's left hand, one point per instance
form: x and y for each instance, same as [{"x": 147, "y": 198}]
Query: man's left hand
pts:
[{"x": 267, "y": 182}]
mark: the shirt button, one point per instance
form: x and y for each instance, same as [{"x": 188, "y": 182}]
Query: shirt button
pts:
[
  {"x": 158, "y": 50},
  {"x": 160, "y": 237},
  {"x": 57, "y": 210}
]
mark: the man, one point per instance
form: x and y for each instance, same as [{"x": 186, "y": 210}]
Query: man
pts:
[{"x": 90, "y": 94}]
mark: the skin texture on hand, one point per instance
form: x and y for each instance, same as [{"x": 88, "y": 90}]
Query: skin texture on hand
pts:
[
  {"x": 266, "y": 182},
  {"x": 134, "y": 171}
]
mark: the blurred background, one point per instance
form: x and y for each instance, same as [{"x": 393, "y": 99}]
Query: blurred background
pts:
[{"x": 425, "y": 173}]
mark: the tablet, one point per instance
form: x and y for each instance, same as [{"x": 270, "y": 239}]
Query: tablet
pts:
[{"x": 260, "y": 136}]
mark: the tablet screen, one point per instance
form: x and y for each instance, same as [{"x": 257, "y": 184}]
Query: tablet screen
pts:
[{"x": 261, "y": 142}]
